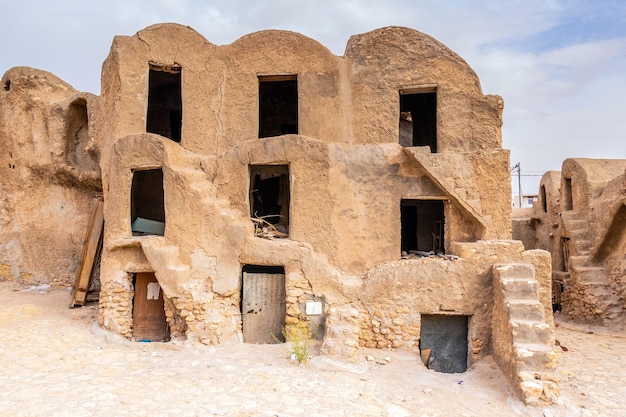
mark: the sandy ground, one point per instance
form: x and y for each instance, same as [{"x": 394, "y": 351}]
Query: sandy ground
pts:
[{"x": 58, "y": 362}]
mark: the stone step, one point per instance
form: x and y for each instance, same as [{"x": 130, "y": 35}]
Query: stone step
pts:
[
  {"x": 588, "y": 274},
  {"x": 578, "y": 261},
  {"x": 582, "y": 246},
  {"x": 530, "y": 331},
  {"x": 521, "y": 288},
  {"x": 571, "y": 215},
  {"x": 534, "y": 356},
  {"x": 516, "y": 271},
  {"x": 167, "y": 255},
  {"x": 576, "y": 224},
  {"x": 525, "y": 310}
]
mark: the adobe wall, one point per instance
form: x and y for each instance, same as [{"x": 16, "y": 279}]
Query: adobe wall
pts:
[
  {"x": 585, "y": 238},
  {"x": 49, "y": 175},
  {"x": 348, "y": 175},
  {"x": 337, "y": 103}
]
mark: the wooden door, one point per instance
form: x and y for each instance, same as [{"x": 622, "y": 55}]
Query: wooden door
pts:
[
  {"x": 263, "y": 307},
  {"x": 149, "y": 309}
]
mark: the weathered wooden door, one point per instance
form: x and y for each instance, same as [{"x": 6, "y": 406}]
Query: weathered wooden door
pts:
[
  {"x": 263, "y": 307},
  {"x": 149, "y": 310}
]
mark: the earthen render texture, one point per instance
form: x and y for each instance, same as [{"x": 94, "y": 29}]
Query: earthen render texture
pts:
[
  {"x": 273, "y": 157},
  {"x": 580, "y": 218}
]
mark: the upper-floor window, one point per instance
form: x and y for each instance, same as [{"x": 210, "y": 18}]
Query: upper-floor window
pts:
[
  {"x": 568, "y": 201},
  {"x": 269, "y": 199},
  {"x": 165, "y": 102},
  {"x": 278, "y": 105},
  {"x": 418, "y": 117},
  {"x": 147, "y": 202}
]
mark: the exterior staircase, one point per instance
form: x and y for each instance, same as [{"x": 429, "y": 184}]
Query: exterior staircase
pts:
[
  {"x": 523, "y": 339},
  {"x": 164, "y": 260},
  {"x": 589, "y": 296}
]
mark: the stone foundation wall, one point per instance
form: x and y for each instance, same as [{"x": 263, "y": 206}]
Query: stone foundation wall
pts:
[{"x": 384, "y": 325}]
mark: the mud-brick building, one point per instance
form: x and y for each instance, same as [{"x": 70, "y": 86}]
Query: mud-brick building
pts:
[
  {"x": 269, "y": 184},
  {"x": 580, "y": 218}
]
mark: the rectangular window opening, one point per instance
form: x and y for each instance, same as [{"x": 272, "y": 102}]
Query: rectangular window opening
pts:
[
  {"x": 278, "y": 105},
  {"x": 567, "y": 195},
  {"x": 147, "y": 206},
  {"x": 418, "y": 118},
  {"x": 269, "y": 200},
  {"x": 422, "y": 226},
  {"x": 165, "y": 106}
]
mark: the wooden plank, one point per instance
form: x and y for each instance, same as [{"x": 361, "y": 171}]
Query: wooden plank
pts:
[
  {"x": 263, "y": 308},
  {"x": 90, "y": 248}
]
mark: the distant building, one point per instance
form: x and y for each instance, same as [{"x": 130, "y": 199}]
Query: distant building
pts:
[
  {"x": 528, "y": 200},
  {"x": 580, "y": 218}
]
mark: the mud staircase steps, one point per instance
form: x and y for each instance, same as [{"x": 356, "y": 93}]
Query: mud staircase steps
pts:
[
  {"x": 165, "y": 262},
  {"x": 523, "y": 338},
  {"x": 444, "y": 173},
  {"x": 593, "y": 300}
]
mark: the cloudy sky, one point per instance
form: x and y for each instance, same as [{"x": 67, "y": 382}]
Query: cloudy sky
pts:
[{"x": 560, "y": 65}]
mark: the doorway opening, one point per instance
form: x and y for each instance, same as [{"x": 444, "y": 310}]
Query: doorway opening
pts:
[
  {"x": 263, "y": 304},
  {"x": 165, "y": 103},
  {"x": 147, "y": 203},
  {"x": 149, "y": 319},
  {"x": 269, "y": 198},
  {"x": 278, "y": 105},
  {"x": 422, "y": 225},
  {"x": 418, "y": 118},
  {"x": 568, "y": 201},
  {"x": 443, "y": 342}
]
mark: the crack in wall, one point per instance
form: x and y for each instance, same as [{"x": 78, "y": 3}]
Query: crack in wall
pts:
[{"x": 220, "y": 90}]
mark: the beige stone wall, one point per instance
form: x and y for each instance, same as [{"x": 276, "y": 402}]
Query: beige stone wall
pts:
[
  {"x": 348, "y": 174},
  {"x": 347, "y": 171},
  {"x": 49, "y": 176}
]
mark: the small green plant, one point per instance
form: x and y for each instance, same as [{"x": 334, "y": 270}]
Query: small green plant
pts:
[{"x": 300, "y": 343}]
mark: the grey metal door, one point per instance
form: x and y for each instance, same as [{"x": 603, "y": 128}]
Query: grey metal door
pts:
[{"x": 263, "y": 307}]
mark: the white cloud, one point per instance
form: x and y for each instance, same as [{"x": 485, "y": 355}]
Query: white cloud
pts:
[{"x": 563, "y": 80}]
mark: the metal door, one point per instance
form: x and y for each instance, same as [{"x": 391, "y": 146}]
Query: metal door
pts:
[{"x": 263, "y": 307}]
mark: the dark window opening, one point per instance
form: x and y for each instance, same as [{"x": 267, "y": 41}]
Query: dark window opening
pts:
[
  {"x": 443, "y": 342},
  {"x": 567, "y": 195},
  {"x": 269, "y": 199},
  {"x": 418, "y": 119},
  {"x": 263, "y": 304},
  {"x": 165, "y": 106},
  {"x": 544, "y": 203},
  {"x": 147, "y": 207},
  {"x": 278, "y": 105},
  {"x": 422, "y": 226},
  {"x": 7, "y": 85}
]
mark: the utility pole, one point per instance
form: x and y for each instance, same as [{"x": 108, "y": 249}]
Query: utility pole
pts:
[{"x": 518, "y": 169}]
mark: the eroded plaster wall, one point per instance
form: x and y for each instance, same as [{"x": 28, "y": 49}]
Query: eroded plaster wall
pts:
[{"x": 49, "y": 175}]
